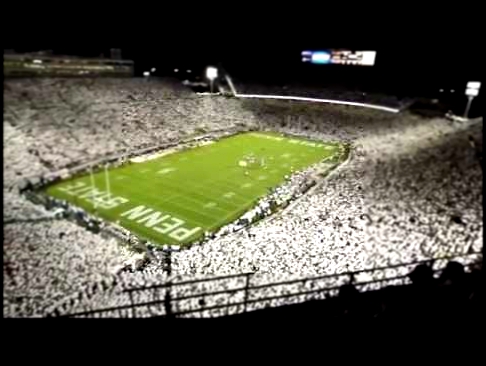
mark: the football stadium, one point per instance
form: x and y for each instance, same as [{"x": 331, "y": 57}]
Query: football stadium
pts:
[{"x": 167, "y": 195}]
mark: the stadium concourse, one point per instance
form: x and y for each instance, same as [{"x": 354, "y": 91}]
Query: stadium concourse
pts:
[{"x": 411, "y": 189}]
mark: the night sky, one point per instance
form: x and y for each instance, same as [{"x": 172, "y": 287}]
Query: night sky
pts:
[{"x": 414, "y": 46}]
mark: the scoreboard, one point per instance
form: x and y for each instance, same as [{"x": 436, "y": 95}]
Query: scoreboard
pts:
[{"x": 339, "y": 57}]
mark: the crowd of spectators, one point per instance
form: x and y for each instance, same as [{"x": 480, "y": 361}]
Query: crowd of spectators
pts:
[
  {"x": 44, "y": 261},
  {"x": 62, "y": 124},
  {"x": 411, "y": 190},
  {"x": 435, "y": 288}
]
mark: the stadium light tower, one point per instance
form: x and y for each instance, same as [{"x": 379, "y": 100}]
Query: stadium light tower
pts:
[
  {"x": 472, "y": 90},
  {"x": 211, "y": 74}
]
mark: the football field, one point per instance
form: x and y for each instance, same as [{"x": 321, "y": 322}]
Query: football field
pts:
[{"x": 176, "y": 197}]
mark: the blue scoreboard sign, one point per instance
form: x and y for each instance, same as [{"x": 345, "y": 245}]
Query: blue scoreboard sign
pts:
[{"x": 339, "y": 57}]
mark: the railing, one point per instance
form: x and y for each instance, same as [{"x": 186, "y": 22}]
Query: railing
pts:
[{"x": 170, "y": 299}]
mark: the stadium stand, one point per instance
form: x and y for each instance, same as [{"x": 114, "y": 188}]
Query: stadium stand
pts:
[
  {"x": 411, "y": 190},
  {"x": 427, "y": 289},
  {"x": 334, "y": 93}
]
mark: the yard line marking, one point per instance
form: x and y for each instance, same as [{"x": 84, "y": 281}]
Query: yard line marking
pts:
[
  {"x": 205, "y": 186},
  {"x": 183, "y": 208},
  {"x": 169, "y": 210},
  {"x": 223, "y": 219},
  {"x": 203, "y": 189},
  {"x": 173, "y": 201},
  {"x": 200, "y": 201},
  {"x": 166, "y": 170}
]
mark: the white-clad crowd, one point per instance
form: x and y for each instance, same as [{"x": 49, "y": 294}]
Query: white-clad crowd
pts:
[
  {"x": 68, "y": 122},
  {"x": 411, "y": 190},
  {"x": 45, "y": 261}
]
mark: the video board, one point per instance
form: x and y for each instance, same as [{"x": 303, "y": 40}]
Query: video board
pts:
[{"x": 339, "y": 57}]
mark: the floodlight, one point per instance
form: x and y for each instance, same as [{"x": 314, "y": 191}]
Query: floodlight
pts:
[
  {"x": 472, "y": 92},
  {"x": 146, "y": 73},
  {"x": 473, "y": 85},
  {"x": 211, "y": 73},
  {"x": 153, "y": 69}
]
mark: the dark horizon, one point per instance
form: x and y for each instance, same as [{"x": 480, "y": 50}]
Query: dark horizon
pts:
[
  {"x": 415, "y": 61},
  {"x": 281, "y": 59}
]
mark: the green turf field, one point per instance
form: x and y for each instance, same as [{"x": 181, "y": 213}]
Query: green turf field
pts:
[{"x": 174, "y": 199}]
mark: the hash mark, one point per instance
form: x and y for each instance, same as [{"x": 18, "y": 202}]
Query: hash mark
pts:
[{"x": 166, "y": 170}]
